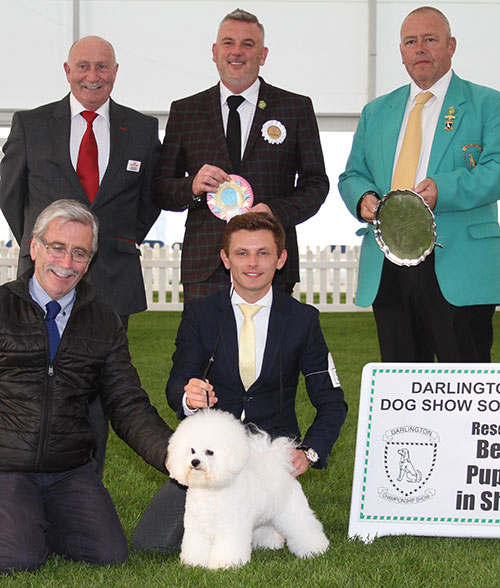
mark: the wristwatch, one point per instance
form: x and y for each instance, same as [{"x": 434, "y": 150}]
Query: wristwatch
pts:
[{"x": 311, "y": 455}]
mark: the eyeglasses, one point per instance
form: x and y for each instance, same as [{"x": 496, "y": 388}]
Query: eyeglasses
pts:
[{"x": 58, "y": 251}]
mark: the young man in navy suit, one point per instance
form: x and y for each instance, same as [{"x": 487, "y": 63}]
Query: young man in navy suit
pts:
[{"x": 288, "y": 341}]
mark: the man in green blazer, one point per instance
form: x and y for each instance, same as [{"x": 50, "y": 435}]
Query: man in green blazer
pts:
[{"x": 444, "y": 306}]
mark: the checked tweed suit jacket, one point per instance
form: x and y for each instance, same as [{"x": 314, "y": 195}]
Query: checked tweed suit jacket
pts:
[{"x": 289, "y": 177}]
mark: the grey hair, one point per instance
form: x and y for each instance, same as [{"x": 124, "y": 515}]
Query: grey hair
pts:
[
  {"x": 243, "y": 16},
  {"x": 68, "y": 211}
]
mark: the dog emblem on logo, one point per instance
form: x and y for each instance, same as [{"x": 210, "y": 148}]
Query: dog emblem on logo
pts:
[
  {"x": 406, "y": 467},
  {"x": 410, "y": 455}
]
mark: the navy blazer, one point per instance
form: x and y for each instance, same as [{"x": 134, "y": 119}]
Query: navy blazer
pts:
[
  {"x": 294, "y": 340},
  {"x": 37, "y": 170}
]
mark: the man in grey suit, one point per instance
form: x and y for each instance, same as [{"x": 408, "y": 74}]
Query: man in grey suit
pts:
[{"x": 41, "y": 165}]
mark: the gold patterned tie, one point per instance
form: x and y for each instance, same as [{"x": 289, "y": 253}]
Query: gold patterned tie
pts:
[
  {"x": 247, "y": 344},
  {"x": 406, "y": 167}
]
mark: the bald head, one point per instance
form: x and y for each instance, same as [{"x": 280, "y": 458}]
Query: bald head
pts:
[
  {"x": 430, "y": 10},
  {"x": 426, "y": 46},
  {"x": 91, "y": 71}
]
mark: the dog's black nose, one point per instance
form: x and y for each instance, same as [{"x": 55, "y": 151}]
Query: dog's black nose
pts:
[{"x": 195, "y": 463}]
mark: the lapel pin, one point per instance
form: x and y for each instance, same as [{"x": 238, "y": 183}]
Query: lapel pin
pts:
[
  {"x": 450, "y": 117},
  {"x": 261, "y": 104}
]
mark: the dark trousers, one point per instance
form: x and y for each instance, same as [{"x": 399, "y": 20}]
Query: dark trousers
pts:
[
  {"x": 415, "y": 323},
  {"x": 161, "y": 526},
  {"x": 69, "y": 513}
]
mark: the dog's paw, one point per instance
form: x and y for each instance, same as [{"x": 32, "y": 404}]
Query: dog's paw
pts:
[
  {"x": 217, "y": 563},
  {"x": 266, "y": 536},
  {"x": 230, "y": 552},
  {"x": 310, "y": 546},
  {"x": 194, "y": 558}
]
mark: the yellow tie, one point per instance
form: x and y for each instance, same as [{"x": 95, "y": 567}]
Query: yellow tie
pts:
[
  {"x": 406, "y": 168},
  {"x": 247, "y": 344}
]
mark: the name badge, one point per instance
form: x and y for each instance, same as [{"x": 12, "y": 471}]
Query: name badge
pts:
[{"x": 133, "y": 166}]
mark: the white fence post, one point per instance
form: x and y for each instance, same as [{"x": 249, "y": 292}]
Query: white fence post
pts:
[{"x": 8, "y": 262}]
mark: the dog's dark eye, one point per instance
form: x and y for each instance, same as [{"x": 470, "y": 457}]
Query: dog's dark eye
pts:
[
  {"x": 192, "y": 450},
  {"x": 209, "y": 452}
]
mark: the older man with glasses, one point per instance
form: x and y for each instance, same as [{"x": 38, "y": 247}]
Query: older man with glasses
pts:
[{"x": 60, "y": 348}]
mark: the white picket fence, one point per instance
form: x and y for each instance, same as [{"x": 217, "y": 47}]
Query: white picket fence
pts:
[{"x": 328, "y": 278}]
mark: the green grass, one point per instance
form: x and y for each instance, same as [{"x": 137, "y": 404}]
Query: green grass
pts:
[{"x": 389, "y": 562}]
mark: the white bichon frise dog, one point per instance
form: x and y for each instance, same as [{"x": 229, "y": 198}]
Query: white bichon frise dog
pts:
[{"x": 241, "y": 493}]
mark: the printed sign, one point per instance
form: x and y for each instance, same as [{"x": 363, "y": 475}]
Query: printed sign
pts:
[{"x": 428, "y": 451}]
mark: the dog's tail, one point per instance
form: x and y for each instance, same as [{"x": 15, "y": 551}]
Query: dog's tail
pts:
[{"x": 272, "y": 454}]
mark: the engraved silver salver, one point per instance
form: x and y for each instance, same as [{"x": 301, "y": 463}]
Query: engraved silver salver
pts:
[{"x": 404, "y": 227}]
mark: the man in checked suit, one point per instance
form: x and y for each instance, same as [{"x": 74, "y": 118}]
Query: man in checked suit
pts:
[
  {"x": 287, "y": 341},
  {"x": 279, "y": 139},
  {"x": 40, "y": 166},
  {"x": 444, "y": 306}
]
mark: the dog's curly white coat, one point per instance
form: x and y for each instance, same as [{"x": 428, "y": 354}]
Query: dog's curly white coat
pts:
[{"x": 241, "y": 493}]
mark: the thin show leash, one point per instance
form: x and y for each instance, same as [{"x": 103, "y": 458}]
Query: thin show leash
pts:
[
  {"x": 212, "y": 360},
  {"x": 212, "y": 357}
]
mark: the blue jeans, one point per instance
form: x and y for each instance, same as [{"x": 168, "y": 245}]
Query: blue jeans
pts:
[{"x": 68, "y": 513}]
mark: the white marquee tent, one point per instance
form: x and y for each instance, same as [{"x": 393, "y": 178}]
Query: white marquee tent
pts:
[{"x": 342, "y": 53}]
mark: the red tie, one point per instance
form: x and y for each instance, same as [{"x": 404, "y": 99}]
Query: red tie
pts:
[{"x": 87, "y": 168}]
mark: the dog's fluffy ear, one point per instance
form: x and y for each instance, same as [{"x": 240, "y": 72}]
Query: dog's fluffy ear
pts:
[
  {"x": 213, "y": 429},
  {"x": 179, "y": 450},
  {"x": 177, "y": 457}
]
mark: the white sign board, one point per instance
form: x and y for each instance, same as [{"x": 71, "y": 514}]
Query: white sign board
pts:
[{"x": 428, "y": 451}]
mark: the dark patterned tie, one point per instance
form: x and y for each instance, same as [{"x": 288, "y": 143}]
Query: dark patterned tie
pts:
[
  {"x": 53, "y": 308},
  {"x": 233, "y": 134},
  {"x": 87, "y": 168}
]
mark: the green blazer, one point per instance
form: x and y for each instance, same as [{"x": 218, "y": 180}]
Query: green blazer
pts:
[{"x": 468, "y": 263}]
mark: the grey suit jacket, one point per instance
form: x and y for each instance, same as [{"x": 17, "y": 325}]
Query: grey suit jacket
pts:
[{"x": 37, "y": 169}]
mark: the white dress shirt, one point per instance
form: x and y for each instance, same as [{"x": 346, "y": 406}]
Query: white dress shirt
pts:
[
  {"x": 246, "y": 109},
  {"x": 261, "y": 323},
  {"x": 430, "y": 116},
  {"x": 101, "y": 128}
]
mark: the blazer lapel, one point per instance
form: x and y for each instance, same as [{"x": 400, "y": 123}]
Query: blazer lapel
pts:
[
  {"x": 214, "y": 115},
  {"x": 59, "y": 138},
  {"x": 442, "y": 138},
  {"x": 118, "y": 139},
  {"x": 227, "y": 351},
  {"x": 393, "y": 118},
  {"x": 260, "y": 117},
  {"x": 277, "y": 322}
]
